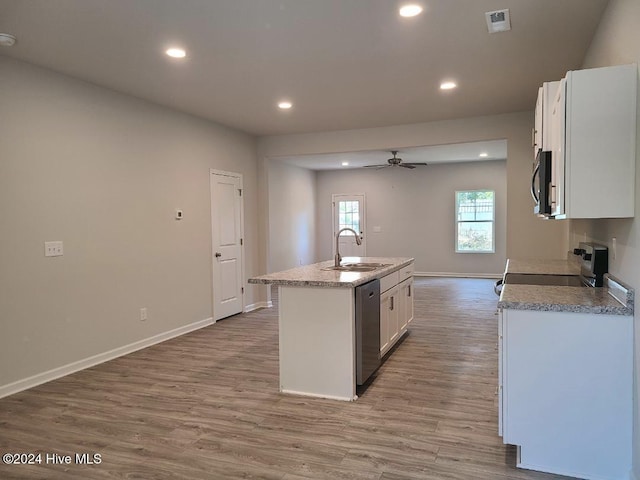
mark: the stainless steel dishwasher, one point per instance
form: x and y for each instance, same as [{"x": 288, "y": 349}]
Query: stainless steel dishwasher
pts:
[{"x": 367, "y": 330}]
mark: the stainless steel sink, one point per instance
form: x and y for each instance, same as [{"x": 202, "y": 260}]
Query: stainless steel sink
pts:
[{"x": 357, "y": 267}]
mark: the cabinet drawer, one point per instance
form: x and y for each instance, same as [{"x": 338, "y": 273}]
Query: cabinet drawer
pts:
[
  {"x": 388, "y": 281},
  {"x": 405, "y": 272}
]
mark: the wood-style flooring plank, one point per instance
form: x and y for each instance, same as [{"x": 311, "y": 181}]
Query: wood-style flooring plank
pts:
[{"x": 206, "y": 406}]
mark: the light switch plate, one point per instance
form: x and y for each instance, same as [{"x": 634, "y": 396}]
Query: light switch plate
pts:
[{"x": 53, "y": 249}]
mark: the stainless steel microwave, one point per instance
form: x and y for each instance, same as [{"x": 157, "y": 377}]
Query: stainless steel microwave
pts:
[{"x": 541, "y": 184}]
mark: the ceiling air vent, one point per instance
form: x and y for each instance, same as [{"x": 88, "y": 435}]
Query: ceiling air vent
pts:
[{"x": 498, "y": 21}]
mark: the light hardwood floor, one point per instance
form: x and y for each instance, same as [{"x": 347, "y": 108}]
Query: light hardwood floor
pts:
[{"x": 206, "y": 406}]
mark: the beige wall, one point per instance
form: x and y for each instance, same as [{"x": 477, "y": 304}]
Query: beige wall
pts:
[
  {"x": 526, "y": 235},
  {"x": 104, "y": 172},
  {"x": 292, "y": 214},
  {"x": 617, "y": 42},
  {"x": 416, "y": 211}
]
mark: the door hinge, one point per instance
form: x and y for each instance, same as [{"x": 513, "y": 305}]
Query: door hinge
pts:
[
  {"x": 240, "y": 191},
  {"x": 241, "y": 242}
]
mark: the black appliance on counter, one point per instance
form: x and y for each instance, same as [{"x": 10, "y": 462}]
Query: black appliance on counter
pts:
[
  {"x": 541, "y": 184},
  {"x": 595, "y": 263}
]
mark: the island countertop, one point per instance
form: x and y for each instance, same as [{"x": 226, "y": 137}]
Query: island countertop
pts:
[{"x": 313, "y": 275}]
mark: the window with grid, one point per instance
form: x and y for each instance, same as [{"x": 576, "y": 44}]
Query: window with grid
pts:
[
  {"x": 349, "y": 216},
  {"x": 475, "y": 221}
]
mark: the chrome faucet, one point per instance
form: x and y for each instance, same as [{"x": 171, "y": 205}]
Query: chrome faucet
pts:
[{"x": 338, "y": 258}]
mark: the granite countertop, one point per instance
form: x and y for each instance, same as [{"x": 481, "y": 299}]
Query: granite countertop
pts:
[
  {"x": 314, "y": 276},
  {"x": 544, "y": 267},
  {"x": 599, "y": 300}
]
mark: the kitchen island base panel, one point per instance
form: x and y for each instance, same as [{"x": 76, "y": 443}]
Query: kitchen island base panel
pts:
[{"x": 317, "y": 342}]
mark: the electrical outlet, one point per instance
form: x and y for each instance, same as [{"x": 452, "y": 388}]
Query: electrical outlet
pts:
[
  {"x": 143, "y": 314},
  {"x": 53, "y": 249}
]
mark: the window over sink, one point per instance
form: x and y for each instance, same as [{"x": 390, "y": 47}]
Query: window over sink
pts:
[{"x": 475, "y": 221}]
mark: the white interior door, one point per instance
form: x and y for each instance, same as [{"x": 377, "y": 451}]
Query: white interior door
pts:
[
  {"x": 349, "y": 211},
  {"x": 226, "y": 242}
]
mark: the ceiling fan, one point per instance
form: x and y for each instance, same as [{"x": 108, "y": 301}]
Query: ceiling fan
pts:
[{"x": 396, "y": 162}]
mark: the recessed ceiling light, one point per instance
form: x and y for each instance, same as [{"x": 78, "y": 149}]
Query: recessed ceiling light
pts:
[
  {"x": 410, "y": 10},
  {"x": 484, "y": 154},
  {"x": 285, "y": 105},
  {"x": 7, "y": 40},
  {"x": 344, "y": 164},
  {"x": 176, "y": 53},
  {"x": 448, "y": 85}
]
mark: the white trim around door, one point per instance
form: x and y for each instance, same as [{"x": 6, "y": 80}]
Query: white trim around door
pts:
[{"x": 227, "y": 243}]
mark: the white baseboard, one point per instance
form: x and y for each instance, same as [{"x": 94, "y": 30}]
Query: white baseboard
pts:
[
  {"x": 40, "y": 378},
  {"x": 257, "y": 305},
  {"x": 457, "y": 275}
]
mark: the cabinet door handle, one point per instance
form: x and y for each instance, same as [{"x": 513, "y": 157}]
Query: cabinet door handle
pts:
[{"x": 391, "y": 304}]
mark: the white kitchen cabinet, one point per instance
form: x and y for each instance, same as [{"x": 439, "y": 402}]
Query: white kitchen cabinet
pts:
[
  {"x": 542, "y": 126},
  {"x": 388, "y": 319},
  {"x": 405, "y": 304},
  {"x": 500, "y": 372},
  {"x": 396, "y": 306},
  {"x": 593, "y": 140},
  {"x": 565, "y": 391}
]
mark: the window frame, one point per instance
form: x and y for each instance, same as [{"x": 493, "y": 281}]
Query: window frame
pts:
[{"x": 493, "y": 221}]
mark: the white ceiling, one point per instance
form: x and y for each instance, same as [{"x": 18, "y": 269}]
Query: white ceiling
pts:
[
  {"x": 344, "y": 64},
  {"x": 460, "y": 152}
]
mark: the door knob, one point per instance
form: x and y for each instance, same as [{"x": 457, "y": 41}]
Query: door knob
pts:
[{"x": 218, "y": 254}]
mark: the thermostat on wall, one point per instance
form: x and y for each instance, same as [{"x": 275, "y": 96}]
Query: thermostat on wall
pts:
[{"x": 179, "y": 215}]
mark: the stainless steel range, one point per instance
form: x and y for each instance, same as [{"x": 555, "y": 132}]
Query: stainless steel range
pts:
[{"x": 594, "y": 263}]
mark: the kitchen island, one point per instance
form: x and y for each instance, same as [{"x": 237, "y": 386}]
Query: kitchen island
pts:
[{"x": 317, "y": 334}]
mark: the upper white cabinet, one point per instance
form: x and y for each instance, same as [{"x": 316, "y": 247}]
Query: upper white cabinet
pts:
[
  {"x": 541, "y": 137},
  {"x": 593, "y": 140}
]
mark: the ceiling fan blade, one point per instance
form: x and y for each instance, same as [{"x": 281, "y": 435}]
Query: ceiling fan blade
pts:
[
  {"x": 375, "y": 166},
  {"x": 406, "y": 165},
  {"x": 418, "y": 164}
]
